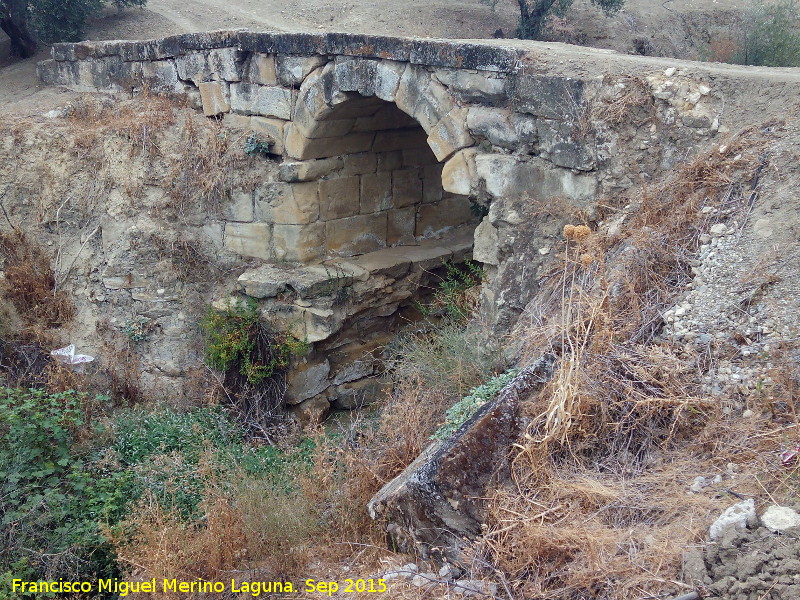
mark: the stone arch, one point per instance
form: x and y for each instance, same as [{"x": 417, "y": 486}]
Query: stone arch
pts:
[{"x": 367, "y": 143}]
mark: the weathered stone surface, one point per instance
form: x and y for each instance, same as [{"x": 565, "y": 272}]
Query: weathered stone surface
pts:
[
  {"x": 306, "y": 379},
  {"x": 261, "y": 69},
  {"x": 435, "y": 219},
  {"x": 473, "y": 86},
  {"x": 437, "y": 501},
  {"x": 339, "y": 197},
  {"x": 387, "y": 79},
  {"x": 562, "y": 145},
  {"x": 249, "y": 239},
  {"x": 432, "y": 183},
  {"x": 308, "y": 281},
  {"x": 358, "y": 394},
  {"x": 309, "y": 170},
  {"x": 401, "y": 226},
  {"x": 269, "y": 130},
  {"x": 356, "y": 235},
  {"x": 161, "y": 76},
  {"x": 309, "y": 323},
  {"x": 300, "y": 243},
  {"x": 262, "y": 282},
  {"x": 226, "y": 63},
  {"x": 193, "y": 67},
  {"x": 406, "y": 187},
  {"x": 486, "y": 242},
  {"x": 266, "y": 101},
  {"x": 292, "y": 70},
  {"x": 433, "y": 104},
  {"x": 300, "y": 147},
  {"x": 376, "y": 192},
  {"x": 450, "y": 134},
  {"x": 413, "y": 84},
  {"x": 459, "y": 172},
  {"x": 240, "y": 208},
  {"x": 358, "y": 164},
  {"x": 494, "y": 125},
  {"x": 551, "y": 97},
  {"x": 311, "y": 412},
  {"x": 508, "y": 176},
  {"x": 391, "y": 262},
  {"x": 287, "y": 204},
  {"x": 126, "y": 282},
  {"x": 356, "y": 75},
  {"x": 215, "y": 98}
]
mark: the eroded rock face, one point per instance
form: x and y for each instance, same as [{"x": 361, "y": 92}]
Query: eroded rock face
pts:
[{"x": 436, "y": 502}]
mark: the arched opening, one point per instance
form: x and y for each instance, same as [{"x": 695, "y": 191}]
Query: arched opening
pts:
[
  {"x": 377, "y": 182},
  {"x": 361, "y": 205}
]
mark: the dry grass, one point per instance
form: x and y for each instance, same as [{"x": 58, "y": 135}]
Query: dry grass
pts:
[
  {"x": 627, "y": 99},
  {"x": 31, "y": 283},
  {"x": 598, "y": 506},
  {"x": 140, "y": 123}
]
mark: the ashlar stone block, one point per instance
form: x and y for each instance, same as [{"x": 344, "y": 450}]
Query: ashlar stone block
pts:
[
  {"x": 356, "y": 235},
  {"x": 511, "y": 177},
  {"x": 292, "y": 70},
  {"x": 376, "y": 192},
  {"x": 450, "y": 134},
  {"x": 406, "y": 187},
  {"x": 249, "y": 239},
  {"x": 215, "y": 97},
  {"x": 401, "y": 226},
  {"x": 261, "y": 69},
  {"x": 459, "y": 173},
  {"x": 299, "y": 243},
  {"x": 339, "y": 197},
  {"x": 433, "y": 219},
  {"x": 287, "y": 203},
  {"x": 266, "y": 101}
]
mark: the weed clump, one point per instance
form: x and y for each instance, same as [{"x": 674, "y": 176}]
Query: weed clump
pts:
[{"x": 253, "y": 357}]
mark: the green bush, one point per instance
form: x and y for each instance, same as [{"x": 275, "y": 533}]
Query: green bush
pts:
[
  {"x": 51, "y": 501},
  {"x": 237, "y": 340},
  {"x": 448, "y": 358},
  {"x": 771, "y": 35},
  {"x": 451, "y": 297}
]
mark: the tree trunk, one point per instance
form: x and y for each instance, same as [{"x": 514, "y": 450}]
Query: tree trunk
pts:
[
  {"x": 12, "y": 21},
  {"x": 531, "y": 22}
]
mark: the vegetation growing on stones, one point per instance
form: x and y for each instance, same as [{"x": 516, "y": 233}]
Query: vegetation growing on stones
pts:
[
  {"x": 464, "y": 409},
  {"x": 238, "y": 340}
]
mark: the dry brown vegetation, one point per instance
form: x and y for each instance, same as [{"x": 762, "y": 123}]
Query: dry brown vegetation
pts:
[{"x": 598, "y": 507}]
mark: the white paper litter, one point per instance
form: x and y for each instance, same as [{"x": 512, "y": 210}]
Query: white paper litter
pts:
[{"x": 67, "y": 356}]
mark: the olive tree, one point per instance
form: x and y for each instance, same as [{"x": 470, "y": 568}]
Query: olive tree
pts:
[
  {"x": 29, "y": 22},
  {"x": 533, "y": 13}
]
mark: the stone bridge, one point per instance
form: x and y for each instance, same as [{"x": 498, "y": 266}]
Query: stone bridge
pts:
[
  {"x": 382, "y": 140},
  {"x": 388, "y": 152}
]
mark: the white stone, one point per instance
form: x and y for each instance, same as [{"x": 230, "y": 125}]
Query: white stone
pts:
[
  {"x": 669, "y": 72},
  {"x": 780, "y": 518},
  {"x": 734, "y": 516},
  {"x": 718, "y": 230}
]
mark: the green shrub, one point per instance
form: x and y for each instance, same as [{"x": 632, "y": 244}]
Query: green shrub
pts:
[
  {"x": 448, "y": 358},
  {"x": 462, "y": 411},
  {"x": 51, "y": 501},
  {"x": 452, "y": 297},
  {"x": 771, "y": 35},
  {"x": 236, "y": 339}
]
